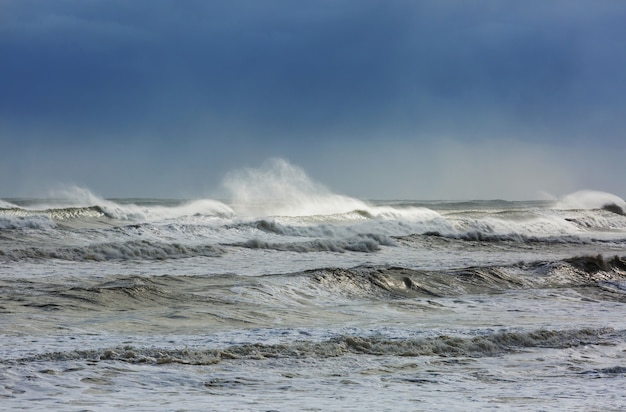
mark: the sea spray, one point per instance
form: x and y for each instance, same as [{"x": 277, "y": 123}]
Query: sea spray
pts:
[
  {"x": 153, "y": 304},
  {"x": 590, "y": 199},
  {"x": 77, "y": 202},
  {"x": 278, "y": 188}
]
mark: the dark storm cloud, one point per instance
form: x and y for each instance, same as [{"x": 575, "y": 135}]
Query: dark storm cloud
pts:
[
  {"x": 215, "y": 83},
  {"x": 264, "y": 64}
]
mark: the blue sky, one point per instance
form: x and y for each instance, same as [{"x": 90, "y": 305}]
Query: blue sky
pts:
[{"x": 374, "y": 99}]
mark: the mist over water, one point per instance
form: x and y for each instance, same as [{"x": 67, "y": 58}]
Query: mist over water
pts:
[
  {"x": 590, "y": 199},
  {"x": 281, "y": 293},
  {"x": 280, "y": 188},
  {"x": 275, "y": 188}
]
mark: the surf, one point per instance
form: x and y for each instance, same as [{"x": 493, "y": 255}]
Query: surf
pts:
[{"x": 592, "y": 199}]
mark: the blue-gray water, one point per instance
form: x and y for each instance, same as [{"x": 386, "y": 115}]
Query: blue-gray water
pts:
[{"x": 317, "y": 302}]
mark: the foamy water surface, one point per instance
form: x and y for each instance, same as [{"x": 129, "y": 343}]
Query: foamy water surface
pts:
[{"x": 290, "y": 297}]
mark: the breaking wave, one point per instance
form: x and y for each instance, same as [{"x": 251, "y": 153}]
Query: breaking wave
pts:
[
  {"x": 6, "y": 205},
  {"x": 278, "y": 188},
  {"x": 30, "y": 222},
  {"x": 58, "y": 213},
  {"x": 589, "y": 199},
  {"x": 80, "y": 203},
  {"x": 281, "y": 189}
]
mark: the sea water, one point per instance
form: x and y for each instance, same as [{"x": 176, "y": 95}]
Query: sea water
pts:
[{"x": 289, "y": 297}]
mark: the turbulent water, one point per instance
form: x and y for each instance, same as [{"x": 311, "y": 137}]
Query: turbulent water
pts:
[{"x": 312, "y": 301}]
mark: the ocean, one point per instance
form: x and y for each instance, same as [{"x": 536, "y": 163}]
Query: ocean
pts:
[{"x": 308, "y": 300}]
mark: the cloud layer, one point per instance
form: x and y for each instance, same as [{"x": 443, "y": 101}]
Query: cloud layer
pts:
[{"x": 444, "y": 99}]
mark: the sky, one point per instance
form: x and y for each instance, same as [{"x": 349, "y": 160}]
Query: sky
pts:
[{"x": 386, "y": 99}]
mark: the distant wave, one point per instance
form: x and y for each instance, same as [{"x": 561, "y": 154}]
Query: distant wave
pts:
[
  {"x": 477, "y": 236},
  {"x": 360, "y": 243},
  {"x": 297, "y": 229},
  {"x": 131, "y": 250},
  {"x": 57, "y": 213},
  {"x": 589, "y": 199},
  {"x": 278, "y": 188},
  {"x": 535, "y": 226},
  {"x": 76, "y": 203},
  {"x": 6, "y": 205}
]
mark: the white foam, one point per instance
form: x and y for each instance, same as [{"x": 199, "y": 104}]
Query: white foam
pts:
[
  {"x": 73, "y": 196},
  {"x": 589, "y": 199},
  {"x": 278, "y": 188},
  {"x": 201, "y": 207},
  {"x": 406, "y": 214},
  {"x": 6, "y": 205},
  {"x": 31, "y": 222}
]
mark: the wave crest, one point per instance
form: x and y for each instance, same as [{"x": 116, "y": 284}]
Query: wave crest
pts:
[
  {"x": 278, "y": 188},
  {"x": 361, "y": 243},
  {"x": 590, "y": 199},
  {"x": 80, "y": 203},
  {"x": 131, "y": 250},
  {"x": 397, "y": 282},
  {"x": 493, "y": 344}
]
